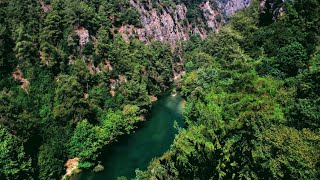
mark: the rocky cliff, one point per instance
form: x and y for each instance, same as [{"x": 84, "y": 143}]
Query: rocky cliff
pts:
[{"x": 172, "y": 23}]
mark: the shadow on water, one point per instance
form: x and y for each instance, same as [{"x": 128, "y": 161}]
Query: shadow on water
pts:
[{"x": 150, "y": 140}]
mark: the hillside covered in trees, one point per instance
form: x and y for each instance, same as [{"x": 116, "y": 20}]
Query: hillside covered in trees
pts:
[{"x": 72, "y": 84}]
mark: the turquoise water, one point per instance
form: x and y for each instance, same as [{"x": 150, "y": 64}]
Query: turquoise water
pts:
[{"x": 136, "y": 150}]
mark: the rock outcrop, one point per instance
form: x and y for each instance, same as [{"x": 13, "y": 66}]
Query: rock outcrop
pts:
[
  {"x": 72, "y": 168},
  {"x": 83, "y": 35},
  {"x": 232, "y": 6},
  {"x": 170, "y": 24},
  {"x": 45, "y": 7},
  {"x": 18, "y": 75},
  {"x": 163, "y": 24}
]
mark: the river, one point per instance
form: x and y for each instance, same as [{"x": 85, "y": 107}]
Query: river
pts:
[{"x": 150, "y": 140}]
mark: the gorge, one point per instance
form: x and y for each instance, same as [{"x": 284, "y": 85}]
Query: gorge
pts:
[
  {"x": 82, "y": 86},
  {"x": 150, "y": 140}
]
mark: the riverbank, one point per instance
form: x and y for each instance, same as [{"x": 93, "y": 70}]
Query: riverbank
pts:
[{"x": 150, "y": 140}]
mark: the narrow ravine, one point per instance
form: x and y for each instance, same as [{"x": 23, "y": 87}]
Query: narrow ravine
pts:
[{"x": 136, "y": 150}]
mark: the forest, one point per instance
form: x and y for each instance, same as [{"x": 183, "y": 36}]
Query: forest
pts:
[{"x": 252, "y": 90}]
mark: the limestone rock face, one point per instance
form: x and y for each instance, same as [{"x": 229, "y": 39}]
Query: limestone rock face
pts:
[
  {"x": 165, "y": 24},
  {"x": 233, "y": 6},
  {"x": 170, "y": 24},
  {"x": 211, "y": 16},
  {"x": 83, "y": 34}
]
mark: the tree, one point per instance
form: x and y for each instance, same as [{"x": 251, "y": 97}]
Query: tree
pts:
[
  {"x": 49, "y": 161},
  {"x": 79, "y": 14},
  {"x": 136, "y": 92},
  {"x": 86, "y": 142},
  {"x": 25, "y": 49},
  {"x": 52, "y": 57},
  {"x": 161, "y": 63},
  {"x": 80, "y": 70},
  {"x": 68, "y": 100},
  {"x": 103, "y": 44},
  {"x": 14, "y": 163},
  {"x": 7, "y": 63},
  {"x": 304, "y": 112},
  {"x": 24, "y": 13},
  {"x": 292, "y": 59},
  {"x": 286, "y": 153},
  {"x": 16, "y": 115},
  {"x": 52, "y": 32},
  {"x": 120, "y": 56}
]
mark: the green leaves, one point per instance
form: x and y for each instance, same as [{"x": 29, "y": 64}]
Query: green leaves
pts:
[
  {"x": 79, "y": 13},
  {"x": 14, "y": 163},
  {"x": 285, "y": 152},
  {"x": 250, "y": 94},
  {"x": 291, "y": 59},
  {"x": 252, "y": 91},
  {"x": 68, "y": 103},
  {"x": 88, "y": 139},
  {"x": 85, "y": 141}
]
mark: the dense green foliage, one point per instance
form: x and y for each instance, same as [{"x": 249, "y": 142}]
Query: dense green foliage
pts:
[
  {"x": 76, "y": 97},
  {"x": 252, "y": 90},
  {"x": 14, "y": 162},
  {"x": 252, "y": 101}
]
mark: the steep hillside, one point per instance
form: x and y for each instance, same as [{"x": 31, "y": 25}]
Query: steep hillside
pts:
[
  {"x": 75, "y": 75},
  {"x": 171, "y": 22}
]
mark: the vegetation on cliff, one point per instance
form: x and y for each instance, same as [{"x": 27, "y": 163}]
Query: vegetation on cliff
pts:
[
  {"x": 252, "y": 100},
  {"x": 86, "y": 85},
  {"x": 70, "y": 84}
]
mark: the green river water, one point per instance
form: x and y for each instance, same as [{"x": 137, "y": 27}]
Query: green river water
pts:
[{"x": 149, "y": 141}]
